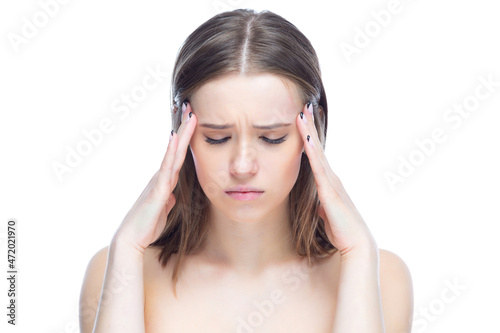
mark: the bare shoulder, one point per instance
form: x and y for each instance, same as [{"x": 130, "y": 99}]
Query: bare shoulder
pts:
[
  {"x": 153, "y": 270},
  {"x": 91, "y": 289},
  {"x": 151, "y": 255},
  {"x": 94, "y": 274},
  {"x": 151, "y": 262},
  {"x": 396, "y": 288},
  {"x": 99, "y": 258}
]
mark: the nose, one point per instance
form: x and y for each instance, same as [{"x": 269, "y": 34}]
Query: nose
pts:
[{"x": 244, "y": 160}]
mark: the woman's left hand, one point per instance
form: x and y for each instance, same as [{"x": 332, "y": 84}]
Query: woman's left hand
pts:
[{"x": 344, "y": 226}]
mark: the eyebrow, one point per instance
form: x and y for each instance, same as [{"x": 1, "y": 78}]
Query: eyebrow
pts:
[{"x": 264, "y": 127}]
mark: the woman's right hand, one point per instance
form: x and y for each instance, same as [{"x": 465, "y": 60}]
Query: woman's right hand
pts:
[{"x": 146, "y": 220}]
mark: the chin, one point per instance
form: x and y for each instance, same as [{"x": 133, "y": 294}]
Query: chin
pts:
[{"x": 239, "y": 211}]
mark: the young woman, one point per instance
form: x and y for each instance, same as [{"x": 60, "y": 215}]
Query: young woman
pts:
[{"x": 245, "y": 227}]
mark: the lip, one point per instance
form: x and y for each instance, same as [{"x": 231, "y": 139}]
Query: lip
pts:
[
  {"x": 244, "y": 196},
  {"x": 241, "y": 188}
]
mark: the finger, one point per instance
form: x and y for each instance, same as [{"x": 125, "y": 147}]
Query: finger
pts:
[
  {"x": 184, "y": 117},
  {"x": 327, "y": 182},
  {"x": 163, "y": 184},
  {"x": 175, "y": 137},
  {"x": 309, "y": 134},
  {"x": 184, "y": 140},
  {"x": 308, "y": 119},
  {"x": 162, "y": 220},
  {"x": 314, "y": 151}
]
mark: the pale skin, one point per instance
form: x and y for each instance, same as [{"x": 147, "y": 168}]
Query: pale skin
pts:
[{"x": 361, "y": 288}]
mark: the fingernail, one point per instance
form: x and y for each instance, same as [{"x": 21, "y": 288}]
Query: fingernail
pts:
[
  {"x": 310, "y": 141},
  {"x": 309, "y": 107},
  {"x": 302, "y": 117},
  {"x": 184, "y": 105},
  {"x": 171, "y": 135},
  {"x": 190, "y": 114}
]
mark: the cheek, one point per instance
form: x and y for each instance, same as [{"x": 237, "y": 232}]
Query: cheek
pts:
[
  {"x": 284, "y": 167},
  {"x": 294, "y": 166},
  {"x": 294, "y": 157},
  {"x": 199, "y": 160},
  {"x": 211, "y": 174}
]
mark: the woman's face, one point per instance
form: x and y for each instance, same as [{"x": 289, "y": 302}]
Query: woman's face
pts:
[{"x": 266, "y": 159}]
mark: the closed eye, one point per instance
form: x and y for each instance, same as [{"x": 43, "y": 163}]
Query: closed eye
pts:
[{"x": 270, "y": 141}]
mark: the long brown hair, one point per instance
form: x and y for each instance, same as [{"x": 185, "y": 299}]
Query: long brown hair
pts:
[{"x": 243, "y": 41}]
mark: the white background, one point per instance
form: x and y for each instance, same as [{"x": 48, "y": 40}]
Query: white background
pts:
[{"x": 441, "y": 220}]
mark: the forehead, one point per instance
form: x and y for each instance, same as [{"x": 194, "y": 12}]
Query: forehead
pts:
[{"x": 261, "y": 96}]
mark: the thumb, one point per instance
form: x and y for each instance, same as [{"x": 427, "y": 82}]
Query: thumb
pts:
[
  {"x": 162, "y": 220},
  {"x": 328, "y": 229},
  {"x": 170, "y": 203}
]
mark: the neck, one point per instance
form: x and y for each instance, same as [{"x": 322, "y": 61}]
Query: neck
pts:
[{"x": 250, "y": 246}]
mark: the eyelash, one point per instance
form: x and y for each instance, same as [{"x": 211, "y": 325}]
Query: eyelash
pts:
[{"x": 270, "y": 141}]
